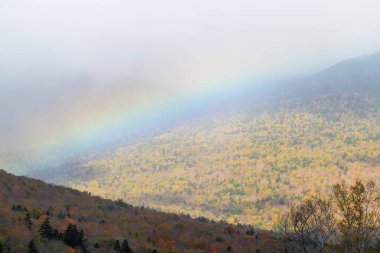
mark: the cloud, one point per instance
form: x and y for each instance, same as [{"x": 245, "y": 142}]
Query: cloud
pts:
[{"x": 67, "y": 62}]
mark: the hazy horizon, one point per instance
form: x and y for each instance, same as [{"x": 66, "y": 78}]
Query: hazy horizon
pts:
[{"x": 72, "y": 70}]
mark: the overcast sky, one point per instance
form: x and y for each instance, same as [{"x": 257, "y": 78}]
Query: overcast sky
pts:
[{"x": 65, "y": 60}]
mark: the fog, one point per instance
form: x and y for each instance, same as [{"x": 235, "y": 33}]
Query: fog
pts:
[{"x": 65, "y": 64}]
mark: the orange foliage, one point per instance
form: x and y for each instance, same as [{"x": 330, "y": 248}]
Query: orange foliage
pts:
[
  {"x": 68, "y": 220},
  {"x": 70, "y": 250},
  {"x": 42, "y": 218},
  {"x": 214, "y": 248}
]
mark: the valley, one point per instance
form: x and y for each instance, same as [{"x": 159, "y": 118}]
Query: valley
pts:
[{"x": 248, "y": 164}]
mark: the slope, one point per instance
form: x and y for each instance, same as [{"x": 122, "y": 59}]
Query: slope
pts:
[
  {"x": 247, "y": 164},
  {"x": 26, "y": 203}
]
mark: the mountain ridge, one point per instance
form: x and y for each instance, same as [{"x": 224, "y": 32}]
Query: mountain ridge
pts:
[{"x": 26, "y": 203}]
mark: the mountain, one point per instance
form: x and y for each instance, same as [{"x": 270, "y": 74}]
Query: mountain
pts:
[
  {"x": 359, "y": 71},
  {"x": 247, "y": 164},
  {"x": 26, "y": 204},
  {"x": 357, "y": 78}
]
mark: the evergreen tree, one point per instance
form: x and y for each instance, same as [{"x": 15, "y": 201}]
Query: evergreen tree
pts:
[
  {"x": 70, "y": 235},
  {"x": 80, "y": 237},
  {"x": 117, "y": 246},
  {"x": 32, "y": 247},
  {"x": 49, "y": 211},
  {"x": 56, "y": 234},
  {"x": 7, "y": 245},
  {"x": 73, "y": 237},
  {"x": 82, "y": 241},
  {"x": 46, "y": 230},
  {"x": 1, "y": 248},
  {"x": 28, "y": 221},
  {"x": 61, "y": 215},
  {"x": 125, "y": 247}
]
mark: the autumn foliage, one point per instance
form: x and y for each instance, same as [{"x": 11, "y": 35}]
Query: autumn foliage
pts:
[
  {"x": 58, "y": 219},
  {"x": 346, "y": 220}
]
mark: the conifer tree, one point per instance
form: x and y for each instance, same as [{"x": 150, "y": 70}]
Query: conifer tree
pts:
[
  {"x": 125, "y": 247},
  {"x": 46, "y": 230},
  {"x": 28, "y": 221},
  {"x": 117, "y": 246},
  {"x": 73, "y": 237},
  {"x": 32, "y": 247},
  {"x": 7, "y": 245},
  {"x": 82, "y": 241},
  {"x": 70, "y": 235}
]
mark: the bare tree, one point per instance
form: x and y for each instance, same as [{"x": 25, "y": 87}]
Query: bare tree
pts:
[
  {"x": 293, "y": 225},
  {"x": 358, "y": 215},
  {"x": 322, "y": 223},
  {"x": 308, "y": 225},
  {"x": 346, "y": 220}
]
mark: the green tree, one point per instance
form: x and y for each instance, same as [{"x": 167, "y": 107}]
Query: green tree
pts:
[
  {"x": 74, "y": 237},
  {"x": 117, "y": 246},
  {"x": 46, "y": 230},
  {"x": 125, "y": 247},
  {"x": 32, "y": 247},
  {"x": 70, "y": 236},
  {"x": 28, "y": 221}
]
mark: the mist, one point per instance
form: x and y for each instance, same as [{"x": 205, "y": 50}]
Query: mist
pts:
[{"x": 68, "y": 64}]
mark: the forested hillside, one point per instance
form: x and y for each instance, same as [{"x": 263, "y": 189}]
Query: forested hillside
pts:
[
  {"x": 38, "y": 217},
  {"x": 246, "y": 165}
]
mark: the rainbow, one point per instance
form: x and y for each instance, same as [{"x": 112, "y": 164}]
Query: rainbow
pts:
[{"x": 131, "y": 117}]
